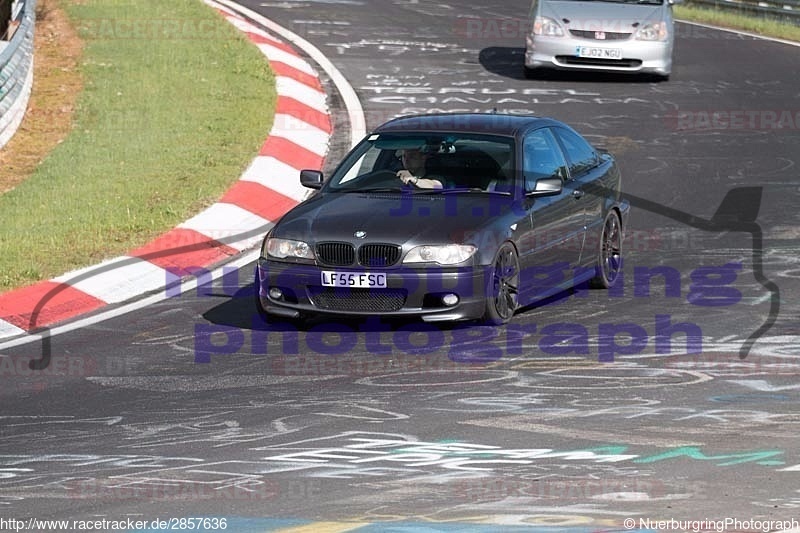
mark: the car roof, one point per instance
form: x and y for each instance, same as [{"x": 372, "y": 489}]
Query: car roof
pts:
[{"x": 488, "y": 123}]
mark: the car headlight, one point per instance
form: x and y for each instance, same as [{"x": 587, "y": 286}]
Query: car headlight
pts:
[
  {"x": 283, "y": 248},
  {"x": 547, "y": 27},
  {"x": 448, "y": 254},
  {"x": 652, "y": 32}
]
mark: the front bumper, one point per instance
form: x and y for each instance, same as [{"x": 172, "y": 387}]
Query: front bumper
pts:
[
  {"x": 653, "y": 57},
  {"x": 410, "y": 291}
]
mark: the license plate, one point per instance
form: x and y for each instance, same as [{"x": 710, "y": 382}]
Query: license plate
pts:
[
  {"x": 332, "y": 278},
  {"x": 599, "y": 53}
]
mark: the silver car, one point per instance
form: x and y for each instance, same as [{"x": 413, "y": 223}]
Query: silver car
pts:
[{"x": 605, "y": 35}]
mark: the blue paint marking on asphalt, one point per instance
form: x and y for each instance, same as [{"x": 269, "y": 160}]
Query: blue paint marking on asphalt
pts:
[
  {"x": 243, "y": 525},
  {"x": 468, "y": 527},
  {"x": 263, "y": 525}
]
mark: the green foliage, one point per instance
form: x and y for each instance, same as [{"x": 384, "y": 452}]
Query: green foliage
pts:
[{"x": 728, "y": 19}]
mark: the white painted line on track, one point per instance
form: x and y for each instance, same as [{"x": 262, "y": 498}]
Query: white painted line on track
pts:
[
  {"x": 265, "y": 170},
  {"x": 117, "y": 279},
  {"x": 739, "y": 32},
  {"x": 281, "y": 56},
  {"x": 300, "y": 133},
  {"x": 9, "y": 330},
  {"x": 222, "y": 221},
  {"x": 300, "y": 91},
  {"x": 189, "y": 285}
]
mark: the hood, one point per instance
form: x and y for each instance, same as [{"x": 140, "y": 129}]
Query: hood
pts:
[
  {"x": 600, "y": 16},
  {"x": 403, "y": 219}
]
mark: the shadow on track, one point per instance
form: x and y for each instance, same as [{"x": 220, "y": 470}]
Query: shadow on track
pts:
[{"x": 509, "y": 63}]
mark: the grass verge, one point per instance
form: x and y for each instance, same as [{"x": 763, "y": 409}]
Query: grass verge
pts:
[
  {"x": 175, "y": 104},
  {"x": 726, "y": 19}
]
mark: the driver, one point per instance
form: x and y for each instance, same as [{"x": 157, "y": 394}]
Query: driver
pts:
[{"x": 414, "y": 173}]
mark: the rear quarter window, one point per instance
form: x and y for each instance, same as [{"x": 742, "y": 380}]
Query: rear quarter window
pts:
[{"x": 581, "y": 156}]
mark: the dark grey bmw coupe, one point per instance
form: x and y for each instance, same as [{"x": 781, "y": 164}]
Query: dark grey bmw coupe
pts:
[{"x": 448, "y": 217}]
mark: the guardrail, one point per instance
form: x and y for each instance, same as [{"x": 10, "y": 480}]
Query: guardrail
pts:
[
  {"x": 16, "y": 70},
  {"x": 780, "y": 10}
]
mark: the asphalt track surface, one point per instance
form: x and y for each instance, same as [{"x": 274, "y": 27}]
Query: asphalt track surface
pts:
[{"x": 191, "y": 407}]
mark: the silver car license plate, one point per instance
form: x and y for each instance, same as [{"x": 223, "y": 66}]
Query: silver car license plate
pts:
[
  {"x": 599, "y": 53},
  {"x": 331, "y": 278}
]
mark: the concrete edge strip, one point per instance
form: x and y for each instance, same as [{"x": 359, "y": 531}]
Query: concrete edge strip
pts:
[{"x": 238, "y": 220}]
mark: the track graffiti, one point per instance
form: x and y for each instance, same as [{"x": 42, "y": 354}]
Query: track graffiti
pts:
[
  {"x": 544, "y": 408},
  {"x": 352, "y": 454},
  {"x": 618, "y": 377}
]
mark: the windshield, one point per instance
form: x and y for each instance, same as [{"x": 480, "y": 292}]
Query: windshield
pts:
[{"x": 427, "y": 162}]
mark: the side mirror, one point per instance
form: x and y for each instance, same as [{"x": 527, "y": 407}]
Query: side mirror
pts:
[
  {"x": 546, "y": 187},
  {"x": 673, "y": 2},
  {"x": 311, "y": 179}
]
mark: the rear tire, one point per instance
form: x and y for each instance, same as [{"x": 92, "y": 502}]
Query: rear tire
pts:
[
  {"x": 608, "y": 266},
  {"x": 502, "y": 293}
]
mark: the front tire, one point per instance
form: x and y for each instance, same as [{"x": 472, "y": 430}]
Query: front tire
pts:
[
  {"x": 608, "y": 266},
  {"x": 502, "y": 296}
]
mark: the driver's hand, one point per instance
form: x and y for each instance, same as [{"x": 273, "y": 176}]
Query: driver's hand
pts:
[{"x": 405, "y": 176}]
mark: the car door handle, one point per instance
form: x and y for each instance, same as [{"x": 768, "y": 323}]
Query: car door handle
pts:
[{"x": 577, "y": 194}]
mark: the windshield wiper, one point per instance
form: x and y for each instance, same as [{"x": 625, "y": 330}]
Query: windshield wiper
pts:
[
  {"x": 374, "y": 189},
  {"x": 453, "y": 190}
]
